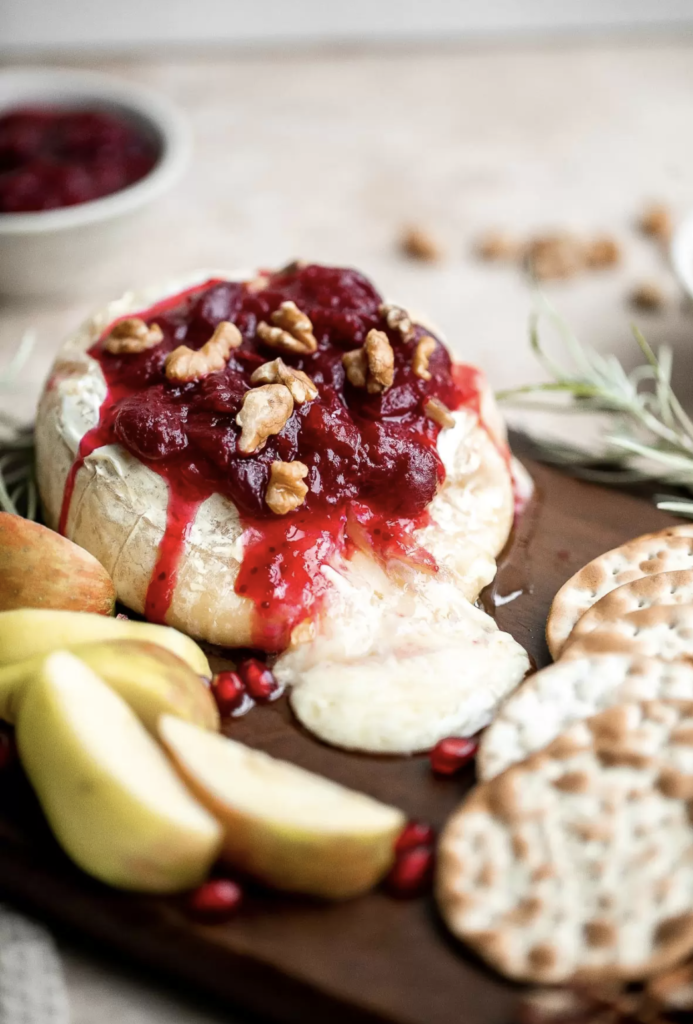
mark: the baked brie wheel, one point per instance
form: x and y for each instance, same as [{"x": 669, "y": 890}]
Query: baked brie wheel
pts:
[{"x": 282, "y": 460}]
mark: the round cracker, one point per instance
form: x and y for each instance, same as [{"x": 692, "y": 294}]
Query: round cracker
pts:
[
  {"x": 666, "y": 588},
  {"x": 577, "y": 864},
  {"x": 648, "y": 555},
  {"x": 662, "y": 631},
  {"x": 550, "y": 701}
]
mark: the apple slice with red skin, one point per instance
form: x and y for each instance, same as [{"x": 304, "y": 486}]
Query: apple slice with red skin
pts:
[{"x": 41, "y": 569}]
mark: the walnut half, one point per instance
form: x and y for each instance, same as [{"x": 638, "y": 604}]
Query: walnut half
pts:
[
  {"x": 439, "y": 412},
  {"x": 292, "y": 330},
  {"x": 133, "y": 335},
  {"x": 372, "y": 366},
  {"x": 265, "y": 411},
  {"x": 286, "y": 490},
  {"x": 397, "y": 319},
  {"x": 277, "y": 372},
  {"x": 185, "y": 364},
  {"x": 422, "y": 353}
]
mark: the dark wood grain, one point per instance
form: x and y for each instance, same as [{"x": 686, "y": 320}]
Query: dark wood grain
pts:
[{"x": 374, "y": 959}]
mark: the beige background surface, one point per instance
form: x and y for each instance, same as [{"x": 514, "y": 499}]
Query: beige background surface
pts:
[{"x": 327, "y": 155}]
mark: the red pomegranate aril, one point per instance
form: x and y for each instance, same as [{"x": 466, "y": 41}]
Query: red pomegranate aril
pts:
[
  {"x": 451, "y": 754},
  {"x": 229, "y": 692},
  {"x": 415, "y": 833},
  {"x": 411, "y": 873},
  {"x": 215, "y": 901},
  {"x": 8, "y": 750},
  {"x": 259, "y": 680}
]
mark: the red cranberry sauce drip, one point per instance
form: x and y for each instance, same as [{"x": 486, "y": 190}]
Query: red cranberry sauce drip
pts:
[
  {"x": 372, "y": 461},
  {"x": 52, "y": 157}
]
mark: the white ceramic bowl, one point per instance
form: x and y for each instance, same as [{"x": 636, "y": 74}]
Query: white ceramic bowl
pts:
[
  {"x": 682, "y": 253},
  {"x": 73, "y": 250}
]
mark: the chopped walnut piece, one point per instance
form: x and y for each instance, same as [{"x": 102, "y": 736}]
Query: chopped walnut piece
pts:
[
  {"x": 186, "y": 364},
  {"x": 286, "y": 490},
  {"x": 258, "y": 284},
  {"x": 277, "y": 372},
  {"x": 133, "y": 335},
  {"x": 439, "y": 412},
  {"x": 555, "y": 256},
  {"x": 419, "y": 244},
  {"x": 648, "y": 296},
  {"x": 656, "y": 221},
  {"x": 602, "y": 252},
  {"x": 422, "y": 353},
  {"x": 293, "y": 267},
  {"x": 292, "y": 330},
  {"x": 397, "y": 319},
  {"x": 265, "y": 411},
  {"x": 372, "y": 366},
  {"x": 498, "y": 245}
]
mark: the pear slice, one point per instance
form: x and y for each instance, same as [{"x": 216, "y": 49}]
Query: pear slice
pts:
[
  {"x": 27, "y": 632},
  {"x": 116, "y": 806},
  {"x": 152, "y": 680},
  {"x": 41, "y": 569},
  {"x": 287, "y": 827}
]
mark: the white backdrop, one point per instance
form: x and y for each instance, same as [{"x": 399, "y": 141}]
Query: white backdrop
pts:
[{"x": 73, "y": 24}]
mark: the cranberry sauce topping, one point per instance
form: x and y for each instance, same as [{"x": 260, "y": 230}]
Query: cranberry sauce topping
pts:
[
  {"x": 52, "y": 157},
  {"x": 372, "y": 461}
]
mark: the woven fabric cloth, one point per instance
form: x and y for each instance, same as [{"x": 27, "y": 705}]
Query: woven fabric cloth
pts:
[{"x": 32, "y": 986}]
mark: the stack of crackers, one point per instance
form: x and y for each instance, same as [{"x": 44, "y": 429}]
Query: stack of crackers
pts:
[{"x": 571, "y": 862}]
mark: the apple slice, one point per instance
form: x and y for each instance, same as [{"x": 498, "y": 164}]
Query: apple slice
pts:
[
  {"x": 27, "y": 632},
  {"x": 287, "y": 827},
  {"x": 152, "y": 680},
  {"x": 116, "y": 806},
  {"x": 41, "y": 569}
]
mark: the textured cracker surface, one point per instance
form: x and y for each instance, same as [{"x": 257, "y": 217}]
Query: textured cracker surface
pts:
[
  {"x": 578, "y": 863},
  {"x": 648, "y": 555},
  {"x": 662, "y": 631},
  {"x": 666, "y": 588},
  {"x": 551, "y": 700}
]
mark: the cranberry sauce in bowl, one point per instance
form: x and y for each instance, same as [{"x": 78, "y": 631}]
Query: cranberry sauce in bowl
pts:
[
  {"x": 51, "y": 157},
  {"x": 368, "y": 449}
]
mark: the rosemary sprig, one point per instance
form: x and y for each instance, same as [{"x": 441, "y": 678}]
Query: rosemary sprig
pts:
[
  {"x": 650, "y": 435},
  {"x": 18, "y": 492}
]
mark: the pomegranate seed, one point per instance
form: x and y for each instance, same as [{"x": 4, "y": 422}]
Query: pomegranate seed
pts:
[
  {"x": 259, "y": 680},
  {"x": 8, "y": 750},
  {"x": 451, "y": 754},
  {"x": 415, "y": 833},
  {"x": 411, "y": 873},
  {"x": 230, "y": 694},
  {"x": 216, "y": 900}
]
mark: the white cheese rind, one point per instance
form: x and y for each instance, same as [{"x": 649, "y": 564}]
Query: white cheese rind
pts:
[{"x": 118, "y": 509}]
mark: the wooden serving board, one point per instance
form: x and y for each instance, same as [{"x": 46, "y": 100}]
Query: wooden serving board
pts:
[{"x": 374, "y": 959}]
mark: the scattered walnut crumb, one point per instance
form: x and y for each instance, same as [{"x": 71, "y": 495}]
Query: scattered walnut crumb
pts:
[
  {"x": 602, "y": 251},
  {"x": 258, "y": 284},
  {"x": 277, "y": 372},
  {"x": 397, "y": 319},
  {"x": 286, "y": 490},
  {"x": 186, "y": 364},
  {"x": 555, "y": 256},
  {"x": 648, "y": 296},
  {"x": 292, "y": 330},
  {"x": 657, "y": 222},
  {"x": 372, "y": 366},
  {"x": 425, "y": 348},
  {"x": 439, "y": 412},
  {"x": 419, "y": 244},
  {"x": 265, "y": 411},
  {"x": 293, "y": 267},
  {"x": 498, "y": 245},
  {"x": 132, "y": 335}
]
